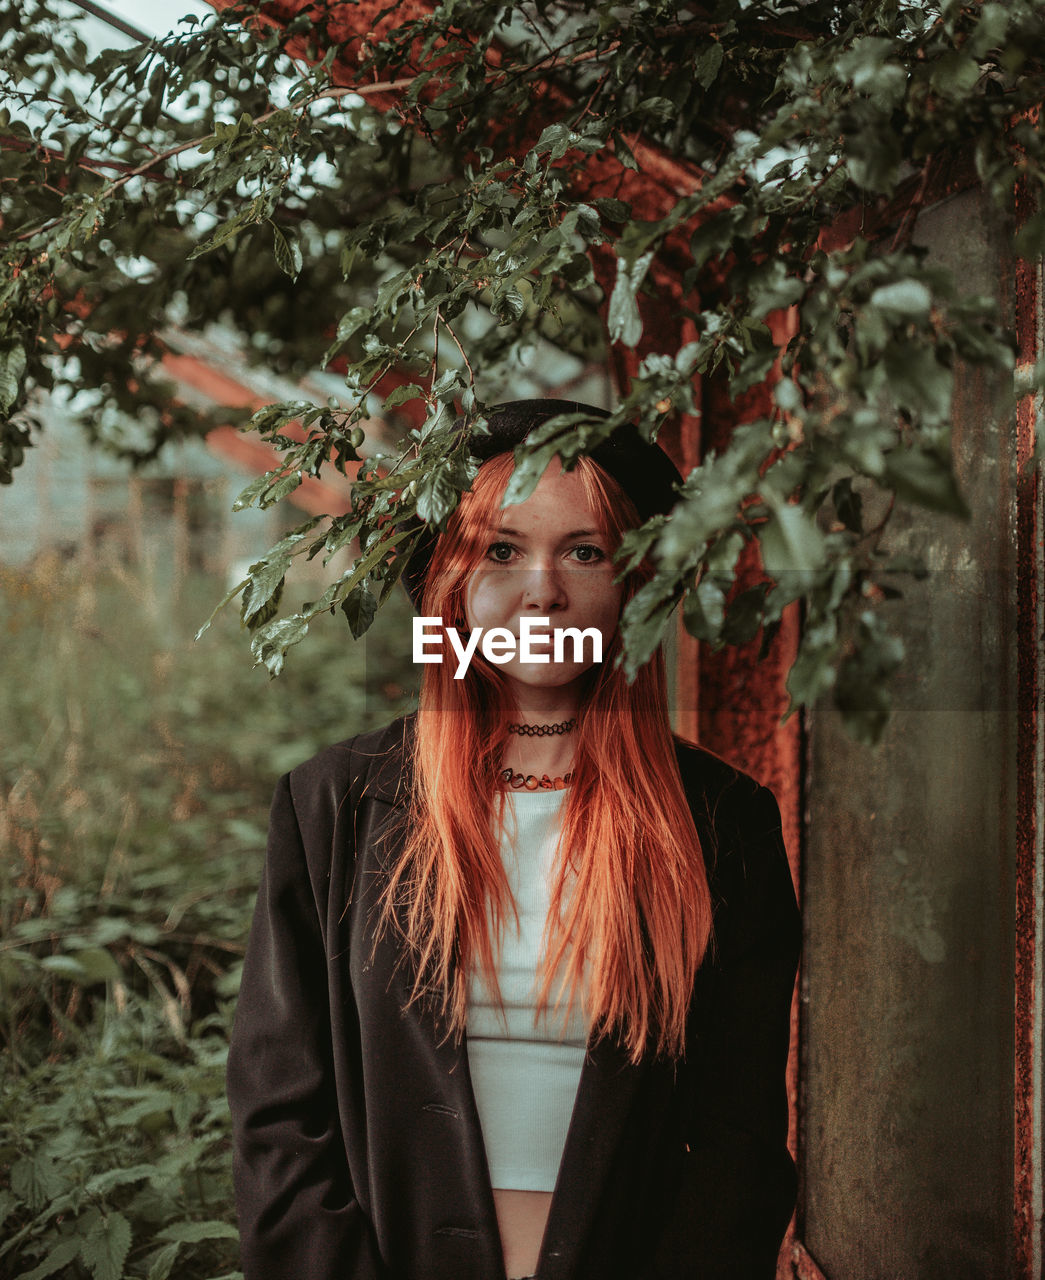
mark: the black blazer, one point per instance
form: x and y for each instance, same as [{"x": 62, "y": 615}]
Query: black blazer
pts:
[{"x": 358, "y": 1149}]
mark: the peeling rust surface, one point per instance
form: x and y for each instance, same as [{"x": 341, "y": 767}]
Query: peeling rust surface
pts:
[{"x": 1028, "y": 522}]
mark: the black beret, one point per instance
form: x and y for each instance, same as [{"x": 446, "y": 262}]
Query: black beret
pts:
[{"x": 643, "y": 470}]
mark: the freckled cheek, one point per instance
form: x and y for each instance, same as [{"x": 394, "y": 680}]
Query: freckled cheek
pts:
[
  {"x": 486, "y": 599},
  {"x": 600, "y": 606}
]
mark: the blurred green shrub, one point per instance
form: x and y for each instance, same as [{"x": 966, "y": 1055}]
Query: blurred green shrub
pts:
[{"x": 135, "y": 774}]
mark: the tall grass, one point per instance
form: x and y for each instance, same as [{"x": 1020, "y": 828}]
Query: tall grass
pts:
[{"x": 135, "y": 774}]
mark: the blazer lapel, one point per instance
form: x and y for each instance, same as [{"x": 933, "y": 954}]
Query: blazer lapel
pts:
[
  {"x": 607, "y": 1088},
  {"x": 390, "y": 783}
]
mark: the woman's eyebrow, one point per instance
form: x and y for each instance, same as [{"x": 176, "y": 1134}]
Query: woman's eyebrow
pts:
[{"x": 574, "y": 533}]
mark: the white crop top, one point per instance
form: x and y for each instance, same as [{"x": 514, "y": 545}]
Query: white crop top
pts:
[{"x": 525, "y": 1077}]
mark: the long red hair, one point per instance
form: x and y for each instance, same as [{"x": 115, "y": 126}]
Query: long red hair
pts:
[{"x": 630, "y": 916}]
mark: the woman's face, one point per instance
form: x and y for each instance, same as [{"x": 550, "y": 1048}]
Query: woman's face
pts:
[{"x": 546, "y": 558}]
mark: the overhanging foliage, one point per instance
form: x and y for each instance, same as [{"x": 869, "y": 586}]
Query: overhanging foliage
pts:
[{"x": 362, "y": 204}]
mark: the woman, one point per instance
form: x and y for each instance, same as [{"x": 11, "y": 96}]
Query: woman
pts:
[{"x": 516, "y": 997}]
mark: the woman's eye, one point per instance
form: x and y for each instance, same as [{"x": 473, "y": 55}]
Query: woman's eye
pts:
[
  {"x": 588, "y": 553},
  {"x": 500, "y": 551}
]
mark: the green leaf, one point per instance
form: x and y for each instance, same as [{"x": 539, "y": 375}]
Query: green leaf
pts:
[
  {"x": 97, "y": 964},
  {"x": 507, "y": 304},
  {"x": 917, "y": 380},
  {"x": 12, "y": 370},
  {"x": 623, "y": 152},
  {"x": 37, "y": 1179},
  {"x": 448, "y": 381},
  {"x": 102, "y": 1183},
  {"x": 791, "y": 543},
  {"x": 161, "y": 1263},
  {"x": 8, "y": 1201},
  {"x": 271, "y": 642},
  {"x": 351, "y": 321},
  {"x": 863, "y": 63},
  {"x": 248, "y": 496},
  {"x": 660, "y": 108},
  {"x": 623, "y": 319},
  {"x": 613, "y": 210},
  {"x": 223, "y": 234},
  {"x": 745, "y": 615},
  {"x": 148, "y": 1113},
  {"x": 342, "y": 532},
  {"x": 556, "y": 139},
  {"x": 436, "y": 495},
  {"x": 281, "y": 488},
  {"x": 788, "y": 395},
  {"x": 811, "y": 674},
  {"x": 105, "y": 1249},
  {"x": 1030, "y": 239},
  {"x": 157, "y": 84},
  {"x": 906, "y": 299},
  {"x": 225, "y": 600},
  {"x": 708, "y": 64},
  {"x": 194, "y": 1232},
  {"x": 64, "y": 966},
  {"x": 60, "y": 1256},
  {"x": 527, "y": 474},
  {"x": 704, "y": 610},
  {"x": 752, "y": 369},
  {"x": 955, "y": 74},
  {"x": 264, "y": 589},
  {"x": 360, "y": 608},
  {"x": 401, "y": 394},
  {"x": 645, "y": 620},
  {"x": 287, "y": 253},
  {"x": 925, "y": 479},
  {"x": 874, "y": 156},
  {"x": 989, "y": 32},
  {"x": 861, "y": 687}
]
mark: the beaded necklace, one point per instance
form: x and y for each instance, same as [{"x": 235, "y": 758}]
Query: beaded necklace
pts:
[{"x": 530, "y": 781}]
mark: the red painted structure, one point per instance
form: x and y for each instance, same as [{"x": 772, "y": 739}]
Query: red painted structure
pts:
[{"x": 316, "y": 496}]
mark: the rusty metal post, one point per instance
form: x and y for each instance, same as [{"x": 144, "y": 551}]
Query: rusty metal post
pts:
[{"x": 1030, "y": 783}]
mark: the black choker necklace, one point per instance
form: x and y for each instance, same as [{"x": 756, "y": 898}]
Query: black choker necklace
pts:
[{"x": 542, "y": 730}]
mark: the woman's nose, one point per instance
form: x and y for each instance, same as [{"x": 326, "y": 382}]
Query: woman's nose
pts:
[{"x": 543, "y": 588}]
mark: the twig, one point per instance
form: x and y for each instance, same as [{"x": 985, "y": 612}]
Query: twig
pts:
[
  {"x": 9, "y": 143},
  {"x": 913, "y": 208},
  {"x": 534, "y": 26},
  {"x": 594, "y": 94},
  {"x": 30, "y": 100},
  {"x": 341, "y": 91},
  {"x": 464, "y": 357},
  {"x": 826, "y": 178}
]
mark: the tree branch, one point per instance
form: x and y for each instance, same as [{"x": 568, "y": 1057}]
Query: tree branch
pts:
[{"x": 344, "y": 91}]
